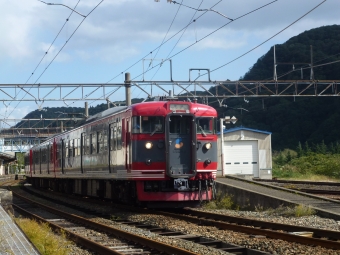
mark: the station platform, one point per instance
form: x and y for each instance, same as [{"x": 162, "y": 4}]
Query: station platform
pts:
[
  {"x": 12, "y": 240},
  {"x": 253, "y": 194}
]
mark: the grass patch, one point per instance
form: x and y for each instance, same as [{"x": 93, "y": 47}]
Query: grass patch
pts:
[
  {"x": 297, "y": 211},
  {"x": 43, "y": 237},
  {"x": 222, "y": 201},
  {"x": 316, "y": 167}
]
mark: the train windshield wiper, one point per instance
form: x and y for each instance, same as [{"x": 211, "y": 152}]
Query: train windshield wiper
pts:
[
  {"x": 154, "y": 131},
  {"x": 204, "y": 134}
]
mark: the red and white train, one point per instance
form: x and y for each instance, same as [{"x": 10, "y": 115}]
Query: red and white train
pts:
[{"x": 160, "y": 153}]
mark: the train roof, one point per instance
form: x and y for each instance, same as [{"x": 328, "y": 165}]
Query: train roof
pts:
[
  {"x": 161, "y": 108},
  {"x": 106, "y": 113}
]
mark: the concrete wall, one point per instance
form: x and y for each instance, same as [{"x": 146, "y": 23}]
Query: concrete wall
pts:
[
  {"x": 250, "y": 200},
  {"x": 264, "y": 146}
]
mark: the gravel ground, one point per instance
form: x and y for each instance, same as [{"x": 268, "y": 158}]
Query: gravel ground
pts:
[{"x": 269, "y": 245}]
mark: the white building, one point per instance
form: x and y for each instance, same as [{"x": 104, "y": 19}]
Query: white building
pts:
[{"x": 246, "y": 152}]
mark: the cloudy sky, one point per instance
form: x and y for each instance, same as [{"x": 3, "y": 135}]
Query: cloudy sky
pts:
[{"x": 118, "y": 33}]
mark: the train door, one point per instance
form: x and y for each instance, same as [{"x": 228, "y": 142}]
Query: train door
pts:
[{"x": 181, "y": 145}]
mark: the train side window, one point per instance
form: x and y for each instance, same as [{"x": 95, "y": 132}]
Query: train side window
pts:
[
  {"x": 114, "y": 138},
  {"x": 87, "y": 145},
  {"x": 104, "y": 140},
  {"x": 78, "y": 147},
  {"x": 111, "y": 137},
  {"x": 75, "y": 144},
  {"x": 66, "y": 148},
  {"x": 70, "y": 149},
  {"x": 93, "y": 143},
  {"x": 99, "y": 142},
  {"x": 43, "y": 156},
  {"x": 119, "y": 138}
]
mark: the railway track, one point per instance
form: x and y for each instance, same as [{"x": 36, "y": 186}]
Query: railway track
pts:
[
  {"x": 290, "y": 233},
  {"x": 298, "y": 182},
  {"x": 317, "y": 237},
  {"x": 164, "y": 232},
  {"x": 323, "y": 189},
  {"x": 116, "y": 241}
]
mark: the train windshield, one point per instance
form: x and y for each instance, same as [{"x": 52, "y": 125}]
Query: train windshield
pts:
[
  {"x": 148, "y": 124},
  {"x": 204, "y": 125}
]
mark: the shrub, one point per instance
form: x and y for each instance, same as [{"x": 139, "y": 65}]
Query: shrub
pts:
[
  {"x": 43, "y": 238},
  {"x": 221, "y": 202},
  {"x": 296, "y": 211}
]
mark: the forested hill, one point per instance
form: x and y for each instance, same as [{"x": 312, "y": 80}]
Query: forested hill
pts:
[
  {"x": 301, "y": 119},
  {"x": 326, "y": 48},
  {"x": 290, "y": 120}
]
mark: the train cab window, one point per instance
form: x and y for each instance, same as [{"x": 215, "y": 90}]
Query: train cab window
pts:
[
  {"x": 179, "y": 125},
  {"x": 205, "y": 125},
  {"x": 148, "y": 124},
  {"x": 93, "y": 143}
]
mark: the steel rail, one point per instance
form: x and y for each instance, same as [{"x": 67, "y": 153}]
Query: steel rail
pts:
[
  {"x": 299, "y": 182},
  {"x": 330, "y": 234},
  {"x": 70, "y": 235},
  {"x": 116, "y": 232},
  {"x": 257, "y": 231}
]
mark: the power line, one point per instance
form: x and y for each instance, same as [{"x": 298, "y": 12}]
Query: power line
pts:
[
  {"x": 167, "y": 57},
  {"x": 181, "y": 37},
  {"x": 211, "y": 34},
  {"x": 156, "y": 48},
  {"x": 43, "y": 57},
  {"x": 60, "y": 49},
  {"x": 203, "y": 10},
  {"x": 267, "y": 39}
]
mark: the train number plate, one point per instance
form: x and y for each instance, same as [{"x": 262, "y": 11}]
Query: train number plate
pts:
[{"x": 181, "y": 184}]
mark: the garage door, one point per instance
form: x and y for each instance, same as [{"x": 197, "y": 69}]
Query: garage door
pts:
[{"x": 241, "y": 157}]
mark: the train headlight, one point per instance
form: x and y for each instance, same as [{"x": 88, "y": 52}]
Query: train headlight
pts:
[
  {"x": 148, "y": 145},
  {"x": 208, "y": 146}
]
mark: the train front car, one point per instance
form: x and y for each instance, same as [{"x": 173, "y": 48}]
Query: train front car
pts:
[{"x": 173, "y": 153}]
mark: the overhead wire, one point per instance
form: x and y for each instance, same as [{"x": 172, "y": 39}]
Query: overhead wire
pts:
[
  {"x": 152, "y": 59},
  {"x": 295, "y": 21},
  {"x": 181, "y": 36},
  {"x": 59, "y": 50},
  {"x": 135, "y": 63},
  {"x": 211, "y": 34},
  {"x": 172, "y": 22},
  {"x": 268, "y": 38},
  {"x": 46, "y": 52},
  {"x": 190, "y": 22}
]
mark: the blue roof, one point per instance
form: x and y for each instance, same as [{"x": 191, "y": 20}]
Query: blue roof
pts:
[{"x": 225, "y": 131}]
